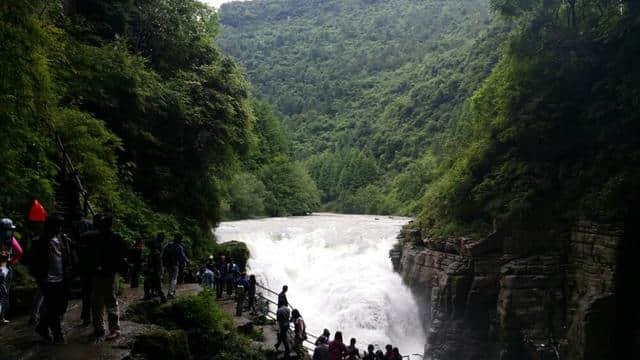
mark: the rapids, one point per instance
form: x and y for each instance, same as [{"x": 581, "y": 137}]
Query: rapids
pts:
[{"x": 339, "y": 274}]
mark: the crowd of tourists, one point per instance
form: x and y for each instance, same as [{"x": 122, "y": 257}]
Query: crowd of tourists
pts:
[
  {"x": 226, "y": 277},
  {"x": 93, "y": 253},
  {"x": 337, "y": 350},
  {"x": 325, "y": 349},
  {"x": 92, "y": 250}
]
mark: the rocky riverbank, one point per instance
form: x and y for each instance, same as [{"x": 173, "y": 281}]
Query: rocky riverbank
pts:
[{"x": 519, "y": 295}]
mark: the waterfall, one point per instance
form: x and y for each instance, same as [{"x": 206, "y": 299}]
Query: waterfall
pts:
[{"x": 339, "y": 274}]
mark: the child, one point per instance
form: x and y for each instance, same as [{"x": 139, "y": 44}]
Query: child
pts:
[
  {"x": 207, "y": 278},
  {"x": 4, "y": 281}
]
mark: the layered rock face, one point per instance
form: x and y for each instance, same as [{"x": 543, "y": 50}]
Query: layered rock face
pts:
[{"x": 519, "y": 295}]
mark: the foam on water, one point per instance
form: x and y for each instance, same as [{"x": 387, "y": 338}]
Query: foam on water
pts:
[{"x": 339, "y": 274}]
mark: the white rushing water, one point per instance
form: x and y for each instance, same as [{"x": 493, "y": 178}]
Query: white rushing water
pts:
[{"x": 339, "y": 274}]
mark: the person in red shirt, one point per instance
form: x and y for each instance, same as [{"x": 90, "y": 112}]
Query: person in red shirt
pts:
[
  {"x": 337, "y": 349},
  {"x": 10, "y": 246}
]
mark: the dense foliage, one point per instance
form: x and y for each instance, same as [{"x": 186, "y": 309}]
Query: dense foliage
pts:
[
  {"x": 553, "y": 134},
  {"x": 434, "y": 108},
  {"x": 156, "y": 119},
  {"x": 210, "y": 332},
  {"x": 364, "y": 85},
  {"x": 269, "y": 181}
]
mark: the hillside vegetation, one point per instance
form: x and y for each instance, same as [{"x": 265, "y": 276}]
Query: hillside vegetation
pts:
[
  {"x": 470, "y": 114},
  {"x": 368, "y": 89},
  {"x": 552, "y": 135},
  {"x": 156, "y": 119}
]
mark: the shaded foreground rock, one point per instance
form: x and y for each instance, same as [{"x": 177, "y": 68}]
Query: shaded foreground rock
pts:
[
  {"x": 523, "y": 295},
  {"x": 162, "y": 344}
]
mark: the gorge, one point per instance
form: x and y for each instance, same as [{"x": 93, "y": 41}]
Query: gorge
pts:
[{"x": 507, "y": 130}]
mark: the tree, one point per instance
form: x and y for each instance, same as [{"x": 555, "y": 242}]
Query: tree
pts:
[{"x": 291, "y": 191}]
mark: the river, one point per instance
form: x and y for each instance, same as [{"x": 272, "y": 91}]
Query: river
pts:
[{"x": 339, "y": 274}]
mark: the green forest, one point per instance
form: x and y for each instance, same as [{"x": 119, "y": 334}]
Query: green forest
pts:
[
  {"x": 469, "y": 114},
  {"x": 158, "y": 122},
  {"x": 465, "y": 113},
  {"x": 368, "y": 90},
  {"x": 498, "y": 126}
]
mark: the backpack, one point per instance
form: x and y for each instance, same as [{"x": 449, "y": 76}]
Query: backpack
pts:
[{"x": 170, "y": 255}]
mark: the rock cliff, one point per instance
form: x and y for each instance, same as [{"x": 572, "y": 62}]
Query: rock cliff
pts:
[{"x": 539, "y": 294}]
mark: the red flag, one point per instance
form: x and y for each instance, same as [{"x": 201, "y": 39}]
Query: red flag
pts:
[{"x": 37, "y": 212}]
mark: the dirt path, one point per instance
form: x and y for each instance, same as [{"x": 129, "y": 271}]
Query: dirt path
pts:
[{"x": 20, "y": 342}]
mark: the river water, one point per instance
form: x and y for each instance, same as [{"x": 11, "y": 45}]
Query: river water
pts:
[{"x": 339, "y": 274}]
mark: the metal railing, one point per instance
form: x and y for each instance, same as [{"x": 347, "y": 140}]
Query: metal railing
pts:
[
  {"x": 272, "y": 315},
  {"x": 70, "y": 168}
]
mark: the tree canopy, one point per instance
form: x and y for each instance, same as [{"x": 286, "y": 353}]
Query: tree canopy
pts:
[
  {"x": 154, "y": 116},
  {"x": 470, "y": 114},
  {"x": 384, "y": 79}
]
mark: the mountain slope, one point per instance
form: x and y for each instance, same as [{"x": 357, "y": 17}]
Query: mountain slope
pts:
[{"x": 383, "y": 78}]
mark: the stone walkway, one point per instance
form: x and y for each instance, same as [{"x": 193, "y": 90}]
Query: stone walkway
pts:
[{"x": 20, "y": 342}]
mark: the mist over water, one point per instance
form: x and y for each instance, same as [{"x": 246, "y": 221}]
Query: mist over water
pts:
[{"x": 339, "y": 274}]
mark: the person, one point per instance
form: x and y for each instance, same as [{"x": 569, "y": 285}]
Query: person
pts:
[
  {"x": 282, "y": 297},
  {"x": 9, "y": 243},
  {"x": 282, "y": 316},
  {"x": 4, "y": 293},
  {"x": 388, "y": 355},
  {"x": 379, "y": 355},
  {"x": 370, "y": 354},
  {"x": 81, "y": 232},
  {"x": 109, "y": 258},
  {"x": 173, "y": 257},
  {"x": 242, "y": 286},
  {"x": 325, "y": 336},
  {"x": 207, "y": 278},
  {"x": 35, "y": 226},
  {"x": 235, "y": 271},
  {"x": 136, "y": 256},
  {"x": 300, "y": 332},
  {"x": 229, "y": 276},
  {"x": 153, "y": 270},
  {"x": 396, "y": 354},
  {"x": 11, "y": 246},
  {"x": 321, "y": 351},
  {"x": 352, "y": 351},
  {"x": 251, "y": 294},
  {"x": 52, "y": 268},
  {"x": 211, "y": 265},
  {"x": 38, "y": 298},
  {"x": 222, "y": 274},
  {"x": 337, "y": 350}
]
